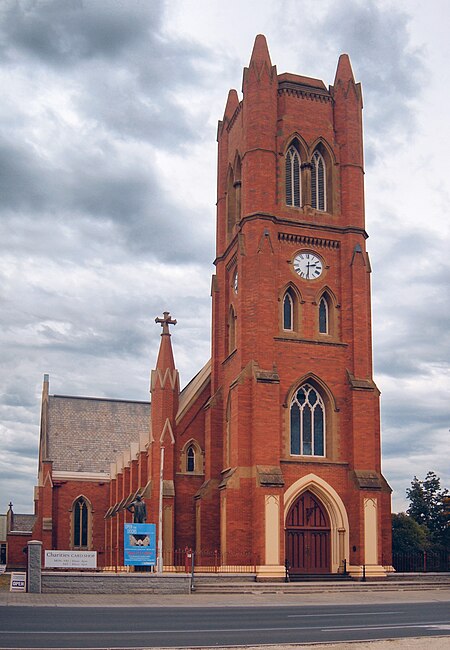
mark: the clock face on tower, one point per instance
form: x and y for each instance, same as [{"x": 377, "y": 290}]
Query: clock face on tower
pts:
[{"x": 308, "y": 265}]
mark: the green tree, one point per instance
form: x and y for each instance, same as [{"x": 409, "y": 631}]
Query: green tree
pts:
[
  {"x": 407, "y": 535},
  {"x": 428, "y": 508}
]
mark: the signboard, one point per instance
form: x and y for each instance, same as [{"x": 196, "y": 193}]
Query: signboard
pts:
[
  {"x": 70, "y": 559},
  {"x": 139, "y": 541},
  {"x": 2, "y": 568},
  {"x": 18, "y": 582}
]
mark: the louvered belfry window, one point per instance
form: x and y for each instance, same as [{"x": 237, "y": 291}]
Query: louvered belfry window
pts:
[
  {"x": 293, "y": 180},
  {"x": 318, "y": 182}
]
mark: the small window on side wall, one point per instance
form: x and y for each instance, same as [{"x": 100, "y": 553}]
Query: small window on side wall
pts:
[{"x": 190, "y": 459}]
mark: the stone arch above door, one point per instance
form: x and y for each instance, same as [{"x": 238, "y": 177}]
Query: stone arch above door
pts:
[{"x": 335, "y": 508}]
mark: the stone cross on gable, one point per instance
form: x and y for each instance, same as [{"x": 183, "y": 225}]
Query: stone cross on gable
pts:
[{"x": 165, "y": 322}]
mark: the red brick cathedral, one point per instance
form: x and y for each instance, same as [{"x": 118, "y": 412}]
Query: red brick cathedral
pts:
[{"x": 272, "y": 451}]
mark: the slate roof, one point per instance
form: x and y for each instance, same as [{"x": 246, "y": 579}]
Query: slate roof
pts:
[
  {"x": 23, "y": 523},
  {"x": 85, "y": 434}
]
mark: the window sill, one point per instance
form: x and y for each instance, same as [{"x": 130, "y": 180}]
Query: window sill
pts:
[
  {"x": 320, "y": 460},
  {"x": 296, "y": 339}
]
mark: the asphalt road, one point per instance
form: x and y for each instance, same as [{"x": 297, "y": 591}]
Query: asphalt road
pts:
[{"x": 102, "y": 627}]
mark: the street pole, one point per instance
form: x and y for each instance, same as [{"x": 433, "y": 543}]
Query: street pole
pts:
[{"x": 160, "y": 560}]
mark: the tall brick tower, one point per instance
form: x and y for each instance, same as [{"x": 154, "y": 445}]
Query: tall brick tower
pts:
[{"x": 292, "y": 439}]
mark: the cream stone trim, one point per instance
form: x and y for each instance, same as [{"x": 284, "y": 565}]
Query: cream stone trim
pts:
[
  {"x": 270, "y": 571},
  {"x": 86, "y": 476},
  {"x": 340, "y": 544},
  {"x": 272, "y": 529},
  {"x": 168, "y": 528},
  {"x": 370, "y": 531},
  {"x": 198, "y": 458},
  {"x": 167, "y": 428},
  {"x": 169, "y": 375}
]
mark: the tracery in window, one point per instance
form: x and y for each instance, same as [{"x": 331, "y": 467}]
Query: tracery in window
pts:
[
  {"x": 318, "y": 182},
  {"x": 80, "y": 523},
  {"x": 307, "y": 421},
  {"x": 293, "y": 177},
  {"x": 190, "y": 459}
]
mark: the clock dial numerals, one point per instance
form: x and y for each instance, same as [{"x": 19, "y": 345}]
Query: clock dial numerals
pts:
[{"x": 308, "y": 265}]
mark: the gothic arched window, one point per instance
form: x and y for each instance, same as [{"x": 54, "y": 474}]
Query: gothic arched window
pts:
[
  {"x": 288, "y": 311},
  {"x": 231, "y": 330},
  {"x": 307, "y": 422},
  {"x": 190, "y": 459},
  {"x": 80, "y": 523},
  {"x": 293, "y": 178},
  {"x": 318, "y": 182},
  {"x": 323, "y": 316}
]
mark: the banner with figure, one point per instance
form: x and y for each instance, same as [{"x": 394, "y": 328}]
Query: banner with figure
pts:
[{"x": 139, "y": 544}]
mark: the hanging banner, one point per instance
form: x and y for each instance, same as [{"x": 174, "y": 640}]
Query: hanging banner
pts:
[{"x": 139, "y": 542}]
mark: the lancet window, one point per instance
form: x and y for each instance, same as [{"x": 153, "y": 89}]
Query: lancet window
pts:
[
  {"x": 318, "y": 182},
  {"x": 80, "y": 523},
  {"x": 323, "y": 316},
  {"x": 288, "y": 311},
  {"x": 293, "y": 178},
  {"x": 190, "y": 459}
]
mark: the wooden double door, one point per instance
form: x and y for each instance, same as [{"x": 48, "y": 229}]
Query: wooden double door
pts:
[{"x": 308, "y": 536}]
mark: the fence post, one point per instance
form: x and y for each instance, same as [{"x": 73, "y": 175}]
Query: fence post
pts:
[
  {"x": 364, "y": 573},
  {"x": 424, "y": 561},
  {"x": 286, "y": 567},
  {"x": 34, "y": 566},
  {"x": 192, "y": 586},
  {"x": 216, "y": 564}
]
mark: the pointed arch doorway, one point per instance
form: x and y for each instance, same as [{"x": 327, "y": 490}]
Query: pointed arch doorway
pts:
[{"x": 308, "y": 536}]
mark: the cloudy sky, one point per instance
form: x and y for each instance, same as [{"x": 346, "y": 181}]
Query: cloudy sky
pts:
[{"x": 108, "y": 122}]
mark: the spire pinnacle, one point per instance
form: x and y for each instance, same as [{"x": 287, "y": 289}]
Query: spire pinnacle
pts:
[
  {"x": 165, "y": 357},
  {"x": 232, "y": 104},
  {"x": 260, "y": 52},
  {"x": 344, "y": 72}
]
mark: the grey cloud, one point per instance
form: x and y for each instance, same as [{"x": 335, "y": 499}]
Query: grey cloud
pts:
[
  {"x": 378, "y": 42},
  {"x": 61, "y": 32}
]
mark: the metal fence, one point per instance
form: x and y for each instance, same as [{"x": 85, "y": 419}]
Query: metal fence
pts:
[
  {"x": 209, "y": 561},
  {"x": 421, "y": 562}
]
